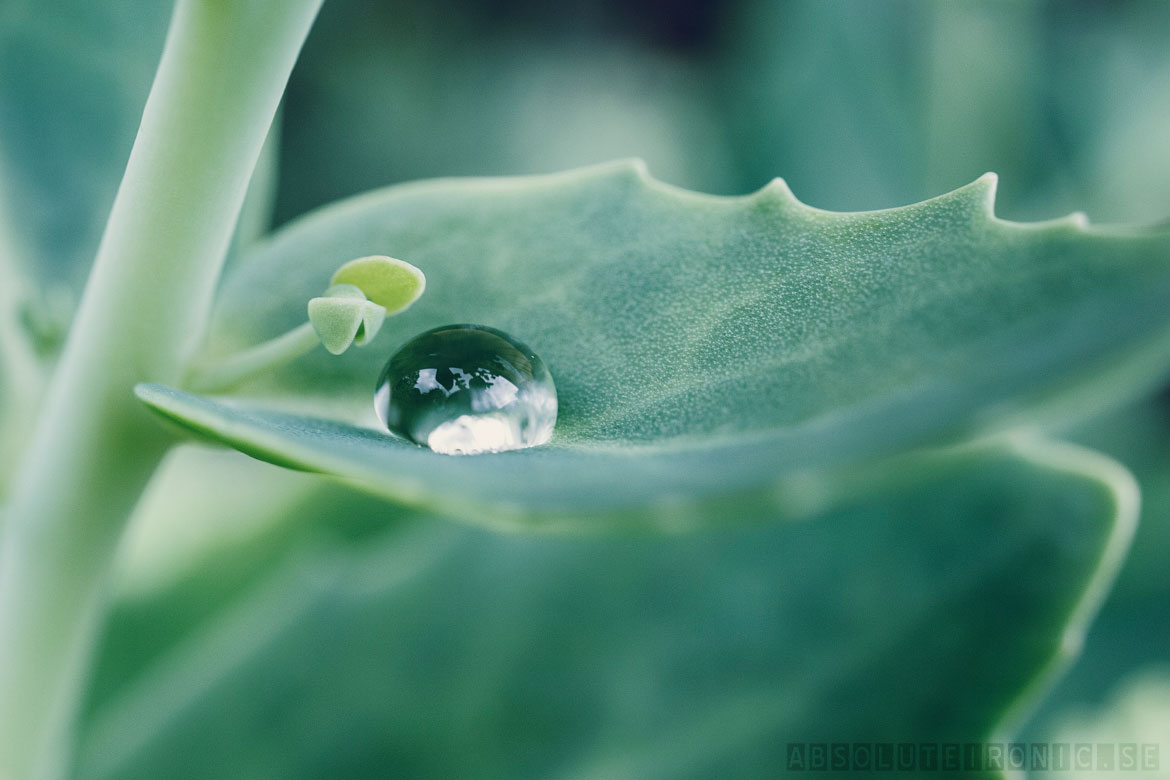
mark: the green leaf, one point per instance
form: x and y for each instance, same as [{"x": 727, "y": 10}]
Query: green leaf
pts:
[
  {"x": 68, "y": 121},
  {"x": 67, "y": 124},
  {"x": 1135, "y": 715},
  {"x": 75, "y": 76},
  {"x": 386, "y": 281},
  {"x": 439, "y": 650},
  {"x": 895, "y": 102},
  {"x": 703, "y": 347},
  {"x": 459, "y": 89},
  {"x": 343, "y": 316},
  {"x": 1131, "y": 635},
  {"x": 22, "y": 375},
  {"x": 924, "y": 97},
  {"x": 547, "y": 487}
]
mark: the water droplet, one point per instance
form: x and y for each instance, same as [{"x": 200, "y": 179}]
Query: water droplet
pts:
[{"x": 465, "y": 390}]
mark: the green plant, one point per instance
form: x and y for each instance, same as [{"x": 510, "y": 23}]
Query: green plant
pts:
[{"x": 785, "y": 434}]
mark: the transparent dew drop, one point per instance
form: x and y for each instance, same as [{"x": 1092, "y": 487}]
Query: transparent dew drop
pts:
[{"x": 466, "y": 390}]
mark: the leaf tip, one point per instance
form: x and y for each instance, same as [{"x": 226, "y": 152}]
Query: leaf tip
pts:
[
  {"x": 978, "y": 196},
  {"x": 779, "y": 188},
  {"x": 636, "y": 166},
  {"x": 631, "y": 170},
  {"x": 982, "y": 191},
  {"x": 144, "y": 391},
  {"x": 778, "y": 193},
  {"x": 157, "y": 398}
]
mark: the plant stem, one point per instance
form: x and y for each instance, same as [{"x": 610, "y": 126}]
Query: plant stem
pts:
[
  {"x": 223, "y": 70},
  {"x": 255, "y": 361},
  {"x": 260, "y": 200}
]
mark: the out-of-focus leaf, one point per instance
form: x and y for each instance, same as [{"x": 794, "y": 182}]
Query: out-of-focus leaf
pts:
[
  {"x": 21, "y": 375},
  {"x": 250, "y": 519},
  {"x": 1139, "y": 437},
  {"x": 1126, "y": 735},
  {"x": 858, "y": 107},
  {"x": 178, "y": 520},
  {"x": 73, "y": 79},
  {"x": 1131, "y": 636},
  {"x": 872, "y": 106},
  {"x": 703, "y": 348},
  {"x": 1105, "y": 107},
  {"x": 437, "y": 650},
  {"x": 837, "y": 112},
  {"x": 454, "y": 88}
]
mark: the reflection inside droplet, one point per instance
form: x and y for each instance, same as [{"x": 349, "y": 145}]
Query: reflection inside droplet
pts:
[{"x": 465, "y": 390}]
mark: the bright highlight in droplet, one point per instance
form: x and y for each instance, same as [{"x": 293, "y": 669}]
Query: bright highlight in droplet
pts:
[{"x": 466, "y": 390}]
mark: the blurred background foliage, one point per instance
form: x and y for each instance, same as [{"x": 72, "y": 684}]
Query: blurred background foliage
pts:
[{"x": 857, "y": 105}]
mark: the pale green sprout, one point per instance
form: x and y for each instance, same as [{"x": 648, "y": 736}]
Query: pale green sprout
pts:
[
  {"x": 362, "y": 294},
  {"x": 387, "y": 281},
  {"x": 344, "y": 316}
]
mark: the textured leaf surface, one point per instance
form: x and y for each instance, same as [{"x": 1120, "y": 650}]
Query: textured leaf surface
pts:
[
  {"x": 701, "y": 346},
  {"x": 339, "y": 648}
]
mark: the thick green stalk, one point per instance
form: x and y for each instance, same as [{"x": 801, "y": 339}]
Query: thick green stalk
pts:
[{"x": 224, "y": 68}]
